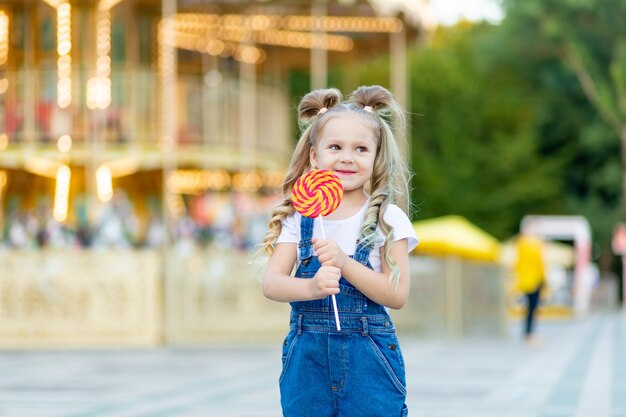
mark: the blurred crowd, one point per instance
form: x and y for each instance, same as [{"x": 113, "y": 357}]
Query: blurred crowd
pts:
[{"x": 226, "y": 220}]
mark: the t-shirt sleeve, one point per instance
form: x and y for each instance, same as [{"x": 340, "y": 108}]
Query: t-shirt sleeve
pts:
[
  {"x": 402, "y": 227},
  {"x": 290, "y": 232}
]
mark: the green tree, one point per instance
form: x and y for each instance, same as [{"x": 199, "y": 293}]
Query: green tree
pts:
[
  {"x": 574, "y": 53},
  {"x": 474, "y": 149}
]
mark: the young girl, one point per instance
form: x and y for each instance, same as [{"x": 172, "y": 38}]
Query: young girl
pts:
[{"x": 359, "y": 370}]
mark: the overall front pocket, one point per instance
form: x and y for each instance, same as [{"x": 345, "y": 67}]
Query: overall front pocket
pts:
[
  {"x": 386, "y": 351},
  {"x": 288, "y": 347}
]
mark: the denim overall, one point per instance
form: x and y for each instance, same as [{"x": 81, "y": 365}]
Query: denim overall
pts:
[{"x": 358, "y": 371}]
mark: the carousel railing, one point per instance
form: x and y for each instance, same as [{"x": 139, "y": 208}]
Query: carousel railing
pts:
[
  {"x": 188, "y": 296},
  {"x": 211, "y": 116}
]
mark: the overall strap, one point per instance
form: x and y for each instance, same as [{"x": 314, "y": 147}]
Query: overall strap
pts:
[
  {"x": 362, "y": 253},
  {"x": 363, "y": 250},
  {"x": 306, "y": 233}
]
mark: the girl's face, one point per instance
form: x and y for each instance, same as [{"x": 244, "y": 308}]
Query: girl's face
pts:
[{"x": 347, "y": 146}]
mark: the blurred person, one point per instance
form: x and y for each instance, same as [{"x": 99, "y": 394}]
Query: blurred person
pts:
[
  {"x": 530, "y": 273},
  {"x": 50, "y": 232},
  {"x": 224, "y": 223},
  {"x": 84, "y": 232},
  {"x": 186, "y": 230},
  {"x": 155, "y": 232},
  {"x": 21, "y": 230},
  {"x": 56, "y": 235},
  {"x": 117, "y": 224},
  {"x": 359, "y": 369}
]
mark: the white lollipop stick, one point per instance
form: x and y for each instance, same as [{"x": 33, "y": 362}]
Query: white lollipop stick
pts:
[{"x": 333, "y": 295}]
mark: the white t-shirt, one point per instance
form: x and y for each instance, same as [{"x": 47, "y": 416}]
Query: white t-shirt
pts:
[{"x": 346, "y": 231}]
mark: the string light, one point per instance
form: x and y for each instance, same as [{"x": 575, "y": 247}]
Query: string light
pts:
[
  {"x": 343, "y": 24},
  {"x": 113, "y": 169},
  {"x": 210, "y": 32},
  {"x": 64, "y": 144},
  {"x": 107, "y": 4},
  {"x": 42, "y": 166},
  {"x": 3, "y": 183},
  {"x": 62, "y": 193},
  {"x": 346, "y": 24},
  {"x": 196, "y": 181},
  {"x": 167, "y": 77},
  {"x": 4, "y": 141},
  {"x": 123, "y": 167},
  {"x": 104, "y": 183},
  {"x": 4, "y": 37},
  {"x": 247, "y": 181},
  {"x": 305, "y": 40},
  {"x": 189, "y": 181},
  {"x": 64, "y": 60},
  {"x": 99, "y": 87}
]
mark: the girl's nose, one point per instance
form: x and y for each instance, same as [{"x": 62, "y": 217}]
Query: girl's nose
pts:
[{"x": 346, "y": 157}]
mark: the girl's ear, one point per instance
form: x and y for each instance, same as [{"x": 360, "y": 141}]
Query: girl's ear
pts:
[{"x": 313, "y": 157}]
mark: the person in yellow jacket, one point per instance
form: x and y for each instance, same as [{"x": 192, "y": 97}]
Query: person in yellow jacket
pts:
[{"x": 530, "y": 277}]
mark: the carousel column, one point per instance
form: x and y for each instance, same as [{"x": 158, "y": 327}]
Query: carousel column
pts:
[
  {"x": 319, "y": 53},
  {"x": 29, "y": 81},
  {"x": 3, "y": 184},
  {"x": 399, "y": 71},
  {"x": 247, "y": 110},
  {"x": 5, "y": 27},
  {"x": 90, "y": 118},
  {"x": 98, "y": 177},
  {"x": 210, "y": 102},
  {"x": 168, "y": 87},
  {"x": 399, "y": 83},
  {"x": 132, "y": 86}
]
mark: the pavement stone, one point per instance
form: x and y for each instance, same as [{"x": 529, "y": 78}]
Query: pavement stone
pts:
[{"x": 578, "y": 371}]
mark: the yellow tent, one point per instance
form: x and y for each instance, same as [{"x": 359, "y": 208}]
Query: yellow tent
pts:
[{"x": 455, "y": 235}]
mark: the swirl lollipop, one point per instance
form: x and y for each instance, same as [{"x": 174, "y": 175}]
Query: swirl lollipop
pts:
[{"x": 318, "y": 193}]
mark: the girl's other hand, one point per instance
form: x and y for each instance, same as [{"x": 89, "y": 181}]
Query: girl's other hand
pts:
[
  {"x": 329, "y": 253},
  {"x": 325, "y": 282}
]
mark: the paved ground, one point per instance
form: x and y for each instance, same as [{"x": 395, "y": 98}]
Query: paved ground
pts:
[{"x": 579, "y": 371}]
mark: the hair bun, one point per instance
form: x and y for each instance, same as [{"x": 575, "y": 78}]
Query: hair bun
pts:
[
  {"x": 379, "y": 100},
  {"x": 318, "y": 99},
  {"x": 373, "y": 97}
]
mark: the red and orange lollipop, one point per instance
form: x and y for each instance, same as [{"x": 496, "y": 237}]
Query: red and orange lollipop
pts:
[{"x": 318, "y": 193}]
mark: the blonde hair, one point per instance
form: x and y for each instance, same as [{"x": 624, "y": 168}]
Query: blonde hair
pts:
[{"x": 390, "y": 176}]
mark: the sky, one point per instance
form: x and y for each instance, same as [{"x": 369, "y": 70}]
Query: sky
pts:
[{"x": 450, "y": 11}]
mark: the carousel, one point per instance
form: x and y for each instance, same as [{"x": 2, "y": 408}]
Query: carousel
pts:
[{"x": 142, "y": 145}]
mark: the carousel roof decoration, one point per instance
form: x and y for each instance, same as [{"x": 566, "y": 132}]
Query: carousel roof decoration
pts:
[
  {"x": 226, "y": 35},
  {"x": 241, "y": 35}
]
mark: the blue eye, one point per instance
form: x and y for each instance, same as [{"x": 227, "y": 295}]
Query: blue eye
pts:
[
  {"x": 361, "y": 149},
  {"x": 334, "y": 147}
]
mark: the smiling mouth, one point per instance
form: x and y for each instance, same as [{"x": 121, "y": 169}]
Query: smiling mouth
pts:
[{"x": 345, "y": 172}]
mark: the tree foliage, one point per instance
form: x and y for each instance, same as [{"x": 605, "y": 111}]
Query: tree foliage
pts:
[
  {"x": 520, "y": 118},
  {"x": 474, "y": 149},
  {"x": 575, "y": 53}
]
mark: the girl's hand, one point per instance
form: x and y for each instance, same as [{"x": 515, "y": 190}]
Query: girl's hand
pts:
[
  {"x": 329, "y": 253},
  {"x": 325, "y": 282}
]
